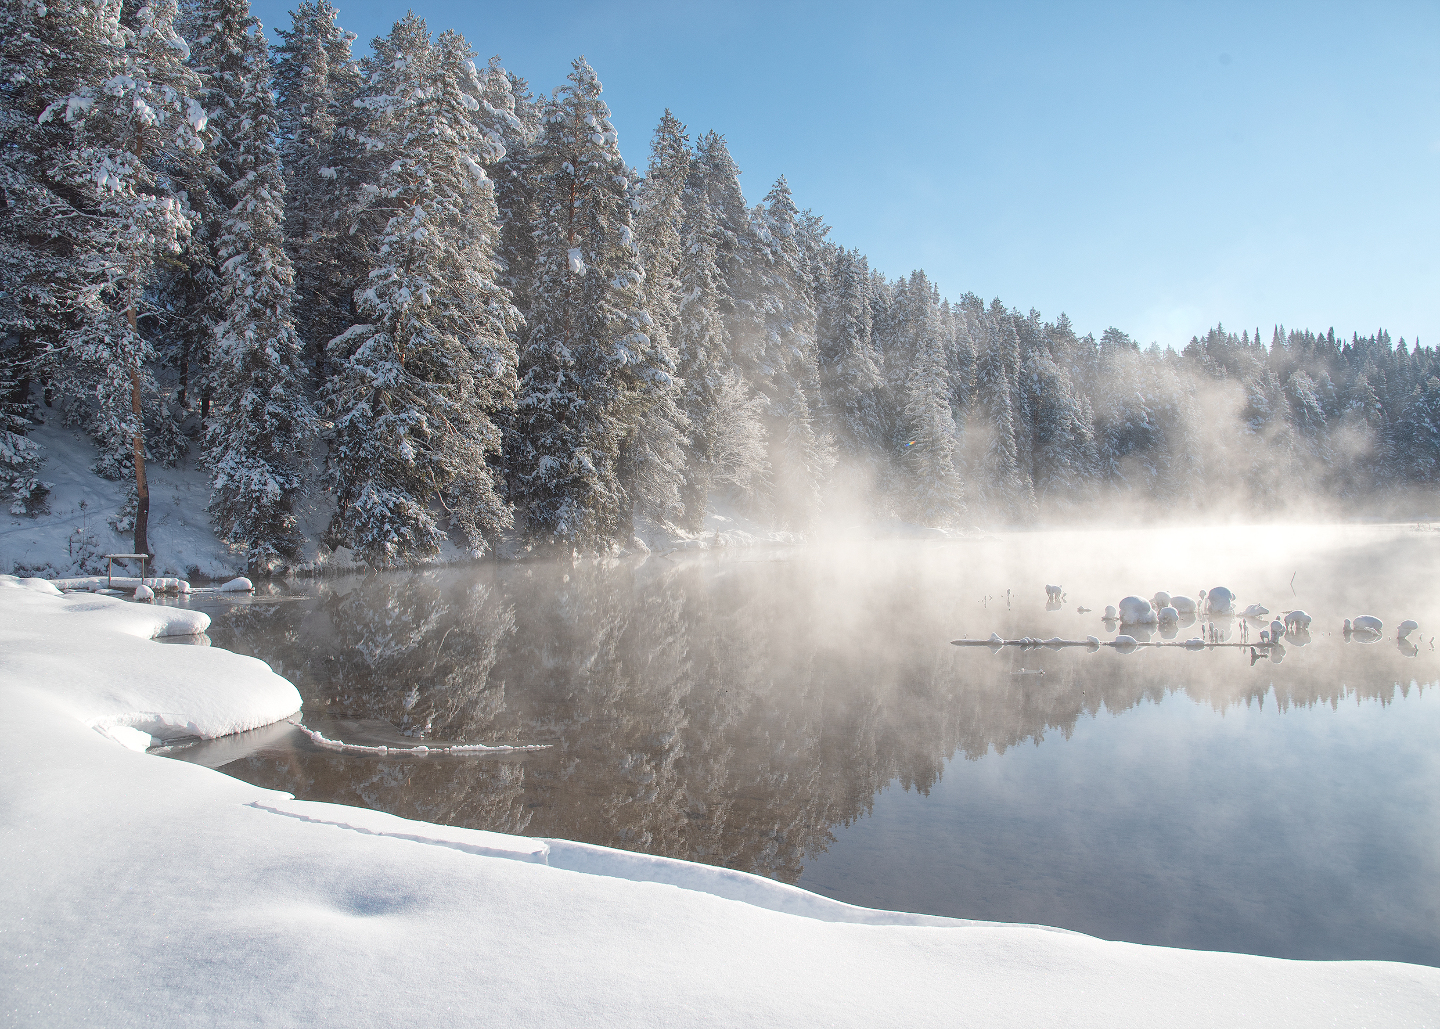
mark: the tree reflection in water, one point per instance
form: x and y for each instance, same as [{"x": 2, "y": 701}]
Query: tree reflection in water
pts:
[{"x": 726, "y": 711}]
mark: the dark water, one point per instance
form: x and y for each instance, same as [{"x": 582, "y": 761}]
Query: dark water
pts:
[{"x": 801, "y": 714}]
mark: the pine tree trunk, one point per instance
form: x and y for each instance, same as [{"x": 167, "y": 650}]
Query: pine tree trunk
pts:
[{"x": 142, "y": 489}]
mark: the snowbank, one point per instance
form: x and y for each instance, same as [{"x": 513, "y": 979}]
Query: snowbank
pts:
[
  {"x": 91, "y": 657},
  {"x": 77, "y": 529},
  {"x": 147, "y": 890}
]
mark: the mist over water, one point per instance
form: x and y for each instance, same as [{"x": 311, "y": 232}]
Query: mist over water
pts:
[{"x": 800, "y": 713}]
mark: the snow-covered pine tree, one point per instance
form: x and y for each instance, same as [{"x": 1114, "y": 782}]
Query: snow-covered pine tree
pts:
[
  {"x": 38, "y": 272},
  {"x": 1003, "y": 485},
  {"x": 258, "y": 437},
  {"x": 1422, "y": 433},
  {"x": 20, "y": 457},
  {"x": 784, "y": 363},
  {"x": 653, "y": 457},
  {"x": 416, "y": 389},
  {"x": 702, "y": 351},
  {"x": 516, "y": 189},
  {"x": 129, "y": 100},
  {"x": 739, "y": 460},
  {"x": 658, "y": 220},
  {"x": 737, "y": 246},
  {"x": 934, "y": 492},
  {"x": 317, "y": 82},
  {"x": 850, "y": 379},
  {"x": 588, "y": 365},
  {"x": 1055, "y": 437}
]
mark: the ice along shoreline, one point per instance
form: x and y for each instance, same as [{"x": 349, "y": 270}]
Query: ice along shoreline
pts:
[{"x": 152, "y": 887}]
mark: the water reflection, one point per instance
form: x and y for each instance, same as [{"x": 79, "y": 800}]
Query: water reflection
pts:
[{"x": 735, "y": 711}]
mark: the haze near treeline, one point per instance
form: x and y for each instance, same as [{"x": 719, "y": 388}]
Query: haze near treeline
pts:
[{"x": 441, "y": 295}]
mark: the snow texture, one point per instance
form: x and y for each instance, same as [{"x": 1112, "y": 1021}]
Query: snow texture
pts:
[{"x": 155, "y": 889}]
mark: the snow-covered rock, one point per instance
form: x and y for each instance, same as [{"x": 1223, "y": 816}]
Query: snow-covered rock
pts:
[
  {"x": 240, "y": 584},
  {"x": 1135, "y": 611},
  {"x": 1219, "y": 601},
  {"x": 1297, "y": 620}
]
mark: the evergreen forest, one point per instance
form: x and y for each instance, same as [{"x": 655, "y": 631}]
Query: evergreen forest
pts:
[{"x": 412, "y": 284}]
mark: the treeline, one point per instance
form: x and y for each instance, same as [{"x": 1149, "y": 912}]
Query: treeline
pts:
[{"x": 450, "y": 304}]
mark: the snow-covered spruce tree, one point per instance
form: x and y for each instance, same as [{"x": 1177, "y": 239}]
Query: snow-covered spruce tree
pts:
[
  {"x": 516, "y": 189},
  {"x": 130, "y": 104},
  {"x": 588, "y": 366},
  {"x": 37, "y": 269},
  {"x": 739, "y": 459},
  {"x": 317, "y": 82},
  {"x": 850, "y": 379},
  {"x": 702, "y": 352},
  {"x": 35, "y": 46},
  {"x": 20, "y": 457},
  {"x": 1005, "y": 488},
  {"x": 934, "y": 493},
  {"x": 1057, "y": 435},
  {"x": 258, "y": 436},
  {"x": 778, "y": 317},
  {"x": 416, "y": 388},
  {"x": 654, "y": 455},
  {"x": 1422, "y": 433},
  {"x": 658, "y": 219}
]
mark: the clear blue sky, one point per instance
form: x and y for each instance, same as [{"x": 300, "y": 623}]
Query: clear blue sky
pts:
[{"x": 1158, "y": 167}]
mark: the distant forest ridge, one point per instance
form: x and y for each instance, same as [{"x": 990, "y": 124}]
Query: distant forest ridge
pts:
[{"x": 448, "y": 303}]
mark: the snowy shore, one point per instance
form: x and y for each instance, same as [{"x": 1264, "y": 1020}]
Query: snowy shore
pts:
[{"x": 150, "y": 891}]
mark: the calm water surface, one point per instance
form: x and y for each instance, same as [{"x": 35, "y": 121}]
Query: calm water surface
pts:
[{"x": 801, "y": 714}]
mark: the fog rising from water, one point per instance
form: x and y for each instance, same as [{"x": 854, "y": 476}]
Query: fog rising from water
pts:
[{"x": 745, "y": 708}]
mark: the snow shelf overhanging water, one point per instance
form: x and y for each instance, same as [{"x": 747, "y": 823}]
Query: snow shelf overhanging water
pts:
[{"x": 150, "y": 890}]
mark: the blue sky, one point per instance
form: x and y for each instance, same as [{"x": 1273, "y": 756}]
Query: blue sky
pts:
[{"x": 1158, "y": 167}]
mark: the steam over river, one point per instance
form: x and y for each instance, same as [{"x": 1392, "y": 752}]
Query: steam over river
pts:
[{"x": 801, "y": 714}]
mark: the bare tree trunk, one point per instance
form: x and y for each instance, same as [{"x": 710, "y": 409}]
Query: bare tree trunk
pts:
[{"x": 142, "y": 489}]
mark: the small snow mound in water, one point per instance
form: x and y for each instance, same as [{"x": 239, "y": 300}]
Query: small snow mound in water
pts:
[
  {"x": 1220, "y": 601},
  {"x": 240, "y": 584},
  {"x": 144, "y": 593},
  {"x": 1368, "y": 623},
  {"x": 1256, "y": 611},
  {"x": 1194, "y": 643},
  {"x": 1135, "y": 611},
  {"x": 1406, "y": 628},
  {"x": 1125, "y": 644},
  {"x": 1160, "y": 601},
  {"x": 1168, "y": 615},
  {"x": 1185, "y": 605},
  {"x": 1298, "y": 619}
]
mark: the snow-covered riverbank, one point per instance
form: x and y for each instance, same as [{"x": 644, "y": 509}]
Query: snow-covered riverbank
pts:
[{"x": 145, "y": 890}]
